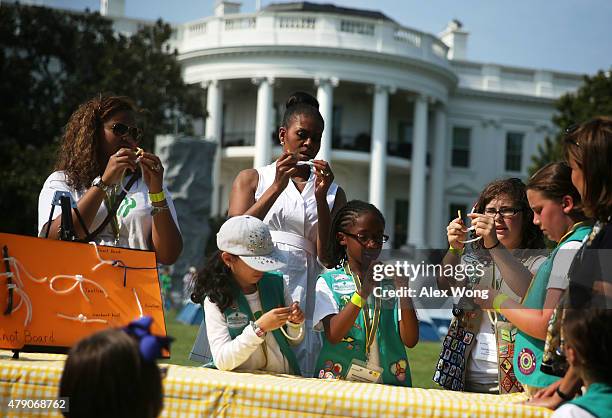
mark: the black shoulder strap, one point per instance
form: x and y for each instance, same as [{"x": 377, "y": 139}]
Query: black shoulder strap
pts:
[{"x": 113, "y": 210}]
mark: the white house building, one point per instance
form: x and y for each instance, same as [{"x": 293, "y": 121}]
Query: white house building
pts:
[{"x": 411, "y": 124}]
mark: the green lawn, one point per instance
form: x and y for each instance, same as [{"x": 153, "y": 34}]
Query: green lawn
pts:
[{"x": 422, "y": 358}]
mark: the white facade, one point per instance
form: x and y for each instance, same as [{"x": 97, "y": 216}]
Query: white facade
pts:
[{"x": 410, "y": 125}]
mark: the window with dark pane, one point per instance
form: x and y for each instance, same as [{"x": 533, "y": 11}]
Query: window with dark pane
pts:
[
  {"x": 461, "y": 147},
  {"x": 514, "y": 151}
]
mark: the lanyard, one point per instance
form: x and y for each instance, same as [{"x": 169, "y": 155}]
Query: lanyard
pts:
[{"x": 371, "y": 324}]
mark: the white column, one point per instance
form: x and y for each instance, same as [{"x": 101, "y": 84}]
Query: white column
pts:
[
  {"x": 325, "y": 96},
  {"x": 378, "y": 153},
  {"x": 214, "y": 109},
  {"x": 436, "y": 182},
  {"x": 417, "y": 219},
  {"x": 263, "y": 142}
]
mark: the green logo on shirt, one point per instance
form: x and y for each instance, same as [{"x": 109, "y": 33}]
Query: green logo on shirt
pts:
[{"x": 126, "y": 206}]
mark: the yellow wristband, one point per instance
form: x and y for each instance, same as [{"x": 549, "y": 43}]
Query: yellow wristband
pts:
[
  {"x": 357, "y": 300},
  {"x": 499, "y": 299},
  {"x": 455, "y": 251},
  {"x": 157, "y": 197}
]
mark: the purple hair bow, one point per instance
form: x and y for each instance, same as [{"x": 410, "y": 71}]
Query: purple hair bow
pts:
[{"x": 149, "y": 345}]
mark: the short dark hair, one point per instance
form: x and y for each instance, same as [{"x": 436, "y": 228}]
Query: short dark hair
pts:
[
  {"x": 515, "y": 190},
  {"x": 301, "y": 103},
  {"x": 589, "y": 332},
  {"x": 554, "y": 181},
  {"x": 590, "y": 145},
  {"x": 346, "y": 216},
  {"x": 105, "y": 376}
]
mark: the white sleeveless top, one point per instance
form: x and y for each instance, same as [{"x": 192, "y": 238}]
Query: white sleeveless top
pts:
[{"x": 293, "y": 217}]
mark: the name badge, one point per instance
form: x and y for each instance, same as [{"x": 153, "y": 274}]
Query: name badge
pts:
[
  {"x": 486, "y": 348},
  {"x": 359, "y": 372}
]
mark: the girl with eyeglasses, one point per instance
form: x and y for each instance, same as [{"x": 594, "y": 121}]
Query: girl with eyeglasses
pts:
[
  {"x": 365, "y": 333},
  {"x": 501, "y": 232},
  {"x": 97, "y": 156},
  {"x": 556, "y": 206}
]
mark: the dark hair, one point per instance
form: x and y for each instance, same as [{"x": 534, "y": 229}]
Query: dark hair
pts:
[
  {"x": 554, "y": 181},
  {"x": 514, "y": 189},
  {"x": 300, "y": 103},
  {"x": 78, "y": 154},
  {"x": 105, "y": 376},
  {"x": 590, "y": 145},
  {"x": 216, "y": 281},
  {"x": 589, "y": 332},
  {"x": 347, "y": 216}
]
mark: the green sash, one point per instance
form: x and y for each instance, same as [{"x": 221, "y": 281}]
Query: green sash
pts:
[
  {"x": 597, "y": 400},
  {"x": 528, "y": 350},
  {"x": 335, "y": 359},
  {"x": 271, "y": 293}
]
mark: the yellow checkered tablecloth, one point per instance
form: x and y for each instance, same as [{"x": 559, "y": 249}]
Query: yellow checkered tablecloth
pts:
[{"x": 200, "y": 392}]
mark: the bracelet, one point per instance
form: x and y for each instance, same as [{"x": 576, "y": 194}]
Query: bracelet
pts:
[
  {"x": 498, "y": 300},
  {"x": 562, "y": 395},
  {"x": 457, "y": 252},
  {"x": 357, "y": 300},
  {"x": 490, "y": 248},
  {"x": 157, "y": 197}
]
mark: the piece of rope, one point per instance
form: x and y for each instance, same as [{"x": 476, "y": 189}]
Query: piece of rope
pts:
[
  {"x": 82, "y": 318},
  {"x": 292, "y": 338},
  {"x": 78, "y": 281},
  {"x": 116, "y": 263},
  {"x": 18, "y": 266},
  {"x": 24, "y": 298},
  {"x": 138, "y": 302}
]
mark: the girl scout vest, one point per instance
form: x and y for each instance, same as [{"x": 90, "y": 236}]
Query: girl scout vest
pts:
[
  {"x": 528, "y": 350},
  {"x": 271, "y": 293},
  {"x": 335, "y": 359},
  {"x": 597, "y": 400},
  {"x": 452, "y": 368}
]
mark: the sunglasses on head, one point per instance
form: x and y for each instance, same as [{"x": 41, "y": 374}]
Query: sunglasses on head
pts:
[{"x": 121, "y": 129}]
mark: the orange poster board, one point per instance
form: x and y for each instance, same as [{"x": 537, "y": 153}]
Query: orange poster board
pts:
[{"x": 64, "y": 291}]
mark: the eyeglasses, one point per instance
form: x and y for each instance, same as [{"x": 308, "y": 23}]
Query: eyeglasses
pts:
[
  {"x": 364, "y": 240},
  {"x": 569, "y": 131},
  {"x": 121, "y": 129},
  {"x": 504, "y": 212}
]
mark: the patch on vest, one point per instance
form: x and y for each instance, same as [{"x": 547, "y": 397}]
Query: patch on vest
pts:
[
  {"x": 237, "y": 320},
  {"x": 343, "y": 284},
  {"x": 526, "y": 361}
]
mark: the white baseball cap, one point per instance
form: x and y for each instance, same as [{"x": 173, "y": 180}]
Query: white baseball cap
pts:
[{"x": 249, "y": 238}]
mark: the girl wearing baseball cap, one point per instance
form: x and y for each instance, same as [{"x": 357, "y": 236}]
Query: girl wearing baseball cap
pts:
[{"x": 245, "y": 301}]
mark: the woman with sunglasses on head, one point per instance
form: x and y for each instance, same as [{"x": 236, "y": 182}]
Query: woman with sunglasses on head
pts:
[
  {"x": 501, "y": 220},
  {"x": 588, "y": 151},
  {"x": 97, "y": 158}
]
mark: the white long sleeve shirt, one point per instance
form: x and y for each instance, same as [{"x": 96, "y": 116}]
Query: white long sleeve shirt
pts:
[{"x": 246, "y": 351}]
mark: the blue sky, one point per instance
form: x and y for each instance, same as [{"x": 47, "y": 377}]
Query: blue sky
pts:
[{"x": 563, "y": 35}]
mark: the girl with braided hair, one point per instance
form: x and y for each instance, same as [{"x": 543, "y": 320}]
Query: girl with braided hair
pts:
[{"x": 365, "y": 333}]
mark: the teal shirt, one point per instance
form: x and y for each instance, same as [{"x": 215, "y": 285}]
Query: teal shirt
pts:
[
  {"x": 528, "y": 350},
  {"x": 597, "y": 400}
]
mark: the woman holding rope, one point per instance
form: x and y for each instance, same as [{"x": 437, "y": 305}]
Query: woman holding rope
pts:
[
  {"x": 98, "y": 160},
  {"x": 295, "y": 196}
]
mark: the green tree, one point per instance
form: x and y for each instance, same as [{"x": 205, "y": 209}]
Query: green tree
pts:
[
  {"x": 52, "y": 61},
  {"x": 593, "y": 98}
]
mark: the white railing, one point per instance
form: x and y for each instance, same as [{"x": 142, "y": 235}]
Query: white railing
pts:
[
  {"x": 197, "y": 28},
  {"x": 296, "y": 22},
  {"x": 408, "y": 36},
  {"x": 439, "y": 49},
  {"x": 355, "y": 26},
  {"x": 240, "y": 23}
]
